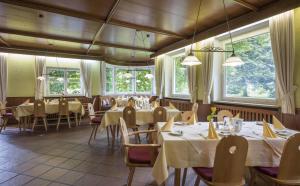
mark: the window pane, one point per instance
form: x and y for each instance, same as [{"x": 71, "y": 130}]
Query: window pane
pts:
[
  {"x": 73, "y": 82},
  {"x": 109, "y": 80},
  {"x": 180, "y": 77},
  {"x": 123, "y": 81},
  {"x": 143, "y": 84},
  {"x": 55, "y": 81},
  {"x": 256, "y": 78}
]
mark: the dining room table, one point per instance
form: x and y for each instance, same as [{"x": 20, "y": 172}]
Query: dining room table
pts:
[{"x": 187, "y": 146}]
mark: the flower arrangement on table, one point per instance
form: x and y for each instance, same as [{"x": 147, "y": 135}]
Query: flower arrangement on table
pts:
[{"x": 212, "y": 114}]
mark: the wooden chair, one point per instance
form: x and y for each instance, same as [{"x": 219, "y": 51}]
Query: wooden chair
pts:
[
  {"x": 229, "y": 164},
  {"x": 186, "y": 115},
  {"x": 152, "y": 98},
  {"x": 137, "y": 155},
  {"x": 129, "y": 115},
  {"x": 159, "y": 115},
  {"x": 5, "y": 114},
  {"x": 95, "y": 122},
  {"x": 112, "y": 101},
  {"x": 288, "y": 172},
  {"x": 63, "y": 111},
  {"x": 39, "y": 112},
  {"x": 224, "y": 113}
]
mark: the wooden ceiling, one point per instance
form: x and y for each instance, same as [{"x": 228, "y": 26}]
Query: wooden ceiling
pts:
[{"x": 120, "y": 31}]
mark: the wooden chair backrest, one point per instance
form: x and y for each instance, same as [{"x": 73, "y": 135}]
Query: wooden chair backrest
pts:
[
  {"x": 39, "y": 109},
  {"x": 124, "y": 131},
  {"x": 2, "y": 108},
  {"x": 152, "y": 98},
  {"x": 63, "y": 108},
  {"x": 223, "y": 113},
  {"x": 91, "y": 111},
  {"x": 129, "y": 116},
  {"x": 186, "y": 115},
  {"x": 112, "y": 101},
  {"x": 230, "y": 159},
  {"x": 289, "y": 168},
  {"x": 159, "y": 115}
]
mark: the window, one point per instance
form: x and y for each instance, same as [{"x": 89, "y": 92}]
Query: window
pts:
[
  {"x": 256, "y": 78},
  {"x": 120, "y": 80},
  {"x": 63, "y": 81},
  {"x": 180, "y": 77}
]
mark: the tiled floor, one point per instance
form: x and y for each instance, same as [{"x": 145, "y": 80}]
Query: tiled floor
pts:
[{"x": 65, "y": 158}]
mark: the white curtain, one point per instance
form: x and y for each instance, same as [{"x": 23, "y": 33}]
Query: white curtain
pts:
[
  {"x": 192, "y": 80},
  {"x": 283, "y": 47},
  {"x": 86, "y": 70},
  {"x": 40, "y": 62},
  {"x": 3, "y": 77},
  {"x": 207, "y": 70},
  {"x": 159, "y": 75},
  {"x": 102, "y": 78}
]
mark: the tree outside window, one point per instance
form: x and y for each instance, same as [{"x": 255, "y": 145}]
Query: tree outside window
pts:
[
  {"x": 180, "y": 77},
  {"x": 256, "y": 78}
]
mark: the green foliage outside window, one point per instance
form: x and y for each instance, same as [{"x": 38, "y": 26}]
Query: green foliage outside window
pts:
[
  {"x": 109, "y": 80},
  {"x": 122, "y": 83},
  {"x": 143, "y": 84},
  {"x": 256, "y": 78},
  {"x": 60, "y": 80},
  {"x": 180, "y": 77}
]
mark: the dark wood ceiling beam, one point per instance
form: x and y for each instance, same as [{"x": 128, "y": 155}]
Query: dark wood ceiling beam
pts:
[
  {"x": 49, "y": 52},
  {"x": 146, "y": 28},
  {"x": 4, "y": 42},
  {"x": 68, "y": 39},
  {"x": 247, "y": 5},
  {"x": 85, "y": 16},
  {"x": 107, "y": 19},
  {"x": 264, "y": 12}
]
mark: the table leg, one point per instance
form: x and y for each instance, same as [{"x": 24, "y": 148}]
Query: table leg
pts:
[{"x": 177, "y": 177}]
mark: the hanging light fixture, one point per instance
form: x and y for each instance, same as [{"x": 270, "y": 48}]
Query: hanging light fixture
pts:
[
  {"x": 233, "y": 60},
  {"x": 191, "y": 59}
]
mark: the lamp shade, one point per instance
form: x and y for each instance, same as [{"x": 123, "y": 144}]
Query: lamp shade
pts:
[
  {"x": 233, "y": 61},
  {"x": 191, "y": 60}
]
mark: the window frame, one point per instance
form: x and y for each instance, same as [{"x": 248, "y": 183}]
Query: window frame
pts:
[
  {"x": 48, "y": 68},
  {"x": 246, "y": 100},
  {"x": 174, "y": 94},
  {"x": 133, "y": 70}
]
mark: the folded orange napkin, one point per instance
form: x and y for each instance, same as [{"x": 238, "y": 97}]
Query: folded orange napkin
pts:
[
  {"x": 171, "y": 106},
  {"x": 277, "y": 124},
  {"x": 267, "y": 131},
  {"x": 114, "y": 107},
  {"x": 168, "y": 126},
  {"x": 212, "y": 134},
  {"x": 155, "y": 104},
  {"x": 192, "y": 119}
]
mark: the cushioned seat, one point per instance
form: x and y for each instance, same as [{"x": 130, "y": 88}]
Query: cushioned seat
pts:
[
  {"x": 139, "y": 155},
  {"x": 96, "y": 120},
  {"x": 204, "y": 172},
  {"x": 8, "y": 114},
  {"x": 270, "y": 171}
]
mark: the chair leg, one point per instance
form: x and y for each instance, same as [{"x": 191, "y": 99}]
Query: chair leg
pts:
[
  {"x": 5, "y": 120},
  {"x": 197, "y": 182},
  {"x": 95, "y": 133},
  {"x": 2, "y": 125},
  {"x": 130, "y": 176},
  {"x": 184, "y": 176},
  {"x": 58, "y": 122},
  {"x": 45, "y": 124},
  {"x": 76, "y": 118},
  {"x": 34, "y": 123},
  {"x": 252, "y": 177},
  {"x": 107, "y": 134},
  {"x": 118, "y": 130},
  {"x": 68, "y": 118},
  {"x": 177, "y": 177},
  {"x": 92, "y": 133}
]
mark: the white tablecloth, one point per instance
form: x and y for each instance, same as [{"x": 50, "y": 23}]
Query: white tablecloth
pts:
[
  {"x": 194, "y": 150},
  {"x": 143, "y": 116},
  {"x": 51, "y": 108}
]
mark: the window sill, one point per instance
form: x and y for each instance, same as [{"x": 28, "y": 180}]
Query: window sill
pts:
[{"x": 255, "y": 105}]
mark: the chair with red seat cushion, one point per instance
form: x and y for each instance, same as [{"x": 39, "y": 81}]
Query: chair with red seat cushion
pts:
[
  {"x": 95, "y": 122},
  {"x": 6, "y": 113},
  {"x": 137, "y": 155},
  {"x": 288, "y": 172},
  {"x": 234, "y": 150}
]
